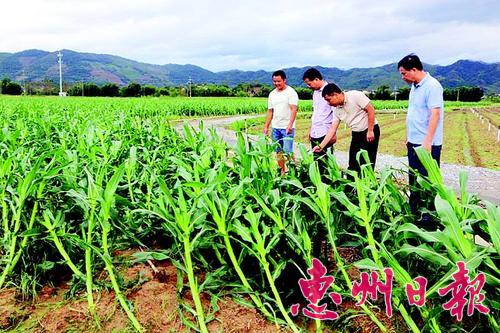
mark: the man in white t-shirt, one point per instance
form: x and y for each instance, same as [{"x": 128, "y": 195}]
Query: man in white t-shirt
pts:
[
  {"x": 356, "y": 110},
  {"x": 281, "y": 113}
]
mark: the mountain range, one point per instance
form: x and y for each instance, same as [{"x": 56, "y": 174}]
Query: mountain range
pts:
[{"x": 38, "y": 65}]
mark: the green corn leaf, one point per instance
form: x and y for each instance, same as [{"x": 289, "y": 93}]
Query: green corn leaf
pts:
[
  {"x": 426, "y": 252},
  {"x": 428, "y": 236},
  {"x": 368, "y": 264},
  {"x": 278, "y": 269},
  {"x": 450, "y": 220},
  {"x": 493, "y": 220}
]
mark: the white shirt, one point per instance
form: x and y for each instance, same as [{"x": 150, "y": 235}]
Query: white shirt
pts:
[{"x": 279, "y": 102}]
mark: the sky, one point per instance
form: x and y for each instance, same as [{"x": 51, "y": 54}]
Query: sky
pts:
[{"x": 255, "y": 35}]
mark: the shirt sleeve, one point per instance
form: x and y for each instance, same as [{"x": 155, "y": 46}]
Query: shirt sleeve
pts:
[
  {"x": 293, "y": 98},
  {"x": 334, "y": 114},
  {"x": 361, "y": 99},
  {"x": 435, "y": 97},
  {"x": 269, "y": 102}
]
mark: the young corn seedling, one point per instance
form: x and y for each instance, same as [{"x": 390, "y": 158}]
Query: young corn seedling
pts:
[
  {"x": 55, "y": 229},
  {"x": 257, "y": 242},
  {"x": 319, "y": 201},
  {"x": 181, "y": 223},
  {"x": 107, "y": 200},
  {"x": 29, "y": 232},
  {"x": 130, "y": 170},
  {"x": 223, "y": 212},
  {"x": 448, "y": 246},
  {"x": 28, "y": 185},
  {"x": 369, "y": 202}
]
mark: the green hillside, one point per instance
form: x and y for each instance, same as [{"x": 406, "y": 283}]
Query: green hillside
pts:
[{"x": 38, "y": 65}]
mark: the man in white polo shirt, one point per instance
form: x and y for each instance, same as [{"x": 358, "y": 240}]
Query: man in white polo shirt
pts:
[
  {"x": 356, "y": 110},
  {"x": 424, "y": 120},
  {"x": 281, "y": 113}
]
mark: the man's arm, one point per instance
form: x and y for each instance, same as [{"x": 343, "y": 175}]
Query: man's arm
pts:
[
  {"x": 293, "y": 114},
  {"x": 370, "y": 110},
  {"x": 269, "y": 117},
  {"x": 431, "y": 130},
  {"x": 332, "y": 133}
]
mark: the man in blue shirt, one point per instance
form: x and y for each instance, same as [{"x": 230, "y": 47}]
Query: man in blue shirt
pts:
[{"x": 424, "y": 120}]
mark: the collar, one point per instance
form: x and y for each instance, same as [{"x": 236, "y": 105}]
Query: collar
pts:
[
  {"x": 324, "y": 84},
  {"x": 320, "y": 90},
  {"x": 427, "y": 75},
  {"x": 345, "y": 98}
]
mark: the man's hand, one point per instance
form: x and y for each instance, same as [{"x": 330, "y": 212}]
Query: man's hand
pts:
[
  {"x": 288, "y": 129},
  {"x": 427, "y": 144},
  {"x": 266, "y": 130},
  {"x": 370, "y": 136},
  {"x": 317, "y": 149}
]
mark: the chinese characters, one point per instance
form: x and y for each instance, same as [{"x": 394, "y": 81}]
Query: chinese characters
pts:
[{"x": 315, "y": 288}]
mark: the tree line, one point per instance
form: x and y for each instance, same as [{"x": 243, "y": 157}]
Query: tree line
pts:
[
  {"x": 133, "y": 89},
  {"x": 462, "y": 94}
]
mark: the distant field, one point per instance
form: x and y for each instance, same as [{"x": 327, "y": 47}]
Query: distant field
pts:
[
  {"x": 467, "y": 140},
  {"x": 166, "y": 107},
  {"x": 177, "y": 107}
]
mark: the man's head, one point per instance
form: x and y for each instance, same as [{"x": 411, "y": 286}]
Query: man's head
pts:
[
  {"x": 279, "y": 80},
  {"x": 333, "y": 95},
  {"x": 411, "y": 69},
  {"x": 313, "y": 79}
]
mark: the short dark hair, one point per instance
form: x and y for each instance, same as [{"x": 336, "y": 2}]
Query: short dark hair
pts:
[
  {"x": 331, "y": 88},
  {"x": 311, "y": 74},
  {"x": 410, "y": 61},
  {"x": 280, "y": 73}
]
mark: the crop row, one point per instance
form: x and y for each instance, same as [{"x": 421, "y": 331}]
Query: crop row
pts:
[{"x": 79, "y": 183}]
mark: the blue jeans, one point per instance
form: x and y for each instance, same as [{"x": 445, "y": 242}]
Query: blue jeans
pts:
[
  {"x": 416, "y": 166},
  {"x": 285, "y": 141}
]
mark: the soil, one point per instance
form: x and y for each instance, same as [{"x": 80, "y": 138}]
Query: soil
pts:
[
  {"x": 152, "y": 289},
  {"x": 156, "y": 306}
]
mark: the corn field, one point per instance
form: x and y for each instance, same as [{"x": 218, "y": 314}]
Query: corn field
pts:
[{"x": 80, "y": 181}]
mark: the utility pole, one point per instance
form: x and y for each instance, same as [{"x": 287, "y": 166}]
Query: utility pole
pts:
[
  {"x": 24, "y": 82},
  {"x": 189, "y": 86},
  {"x": 59, "y": 60}
]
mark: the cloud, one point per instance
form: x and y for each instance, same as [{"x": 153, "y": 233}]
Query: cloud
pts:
[{"x": 219, "y": 35}]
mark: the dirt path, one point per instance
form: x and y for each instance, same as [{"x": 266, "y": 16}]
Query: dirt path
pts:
[{"x": 484, "y": 182}]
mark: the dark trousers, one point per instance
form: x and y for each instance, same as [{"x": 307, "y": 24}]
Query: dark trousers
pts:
[
  {"x": 359, "y": 142},
  {"x": 416, "y": 166},
  {"x": 320, "y": 157}
]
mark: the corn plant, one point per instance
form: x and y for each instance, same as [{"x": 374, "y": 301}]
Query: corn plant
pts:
[
  {"x": 455, "y": 241},
  {"x": 369, "y": 202},
  {"x": 319, "y": 200},
  {"x": 28, "y": 185},
  {"x": 257, "y": 238},
  {"x": 181, "y": 220},
  {"x": 74, "y": 173},
  {"x": 223, "y": 212}
]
